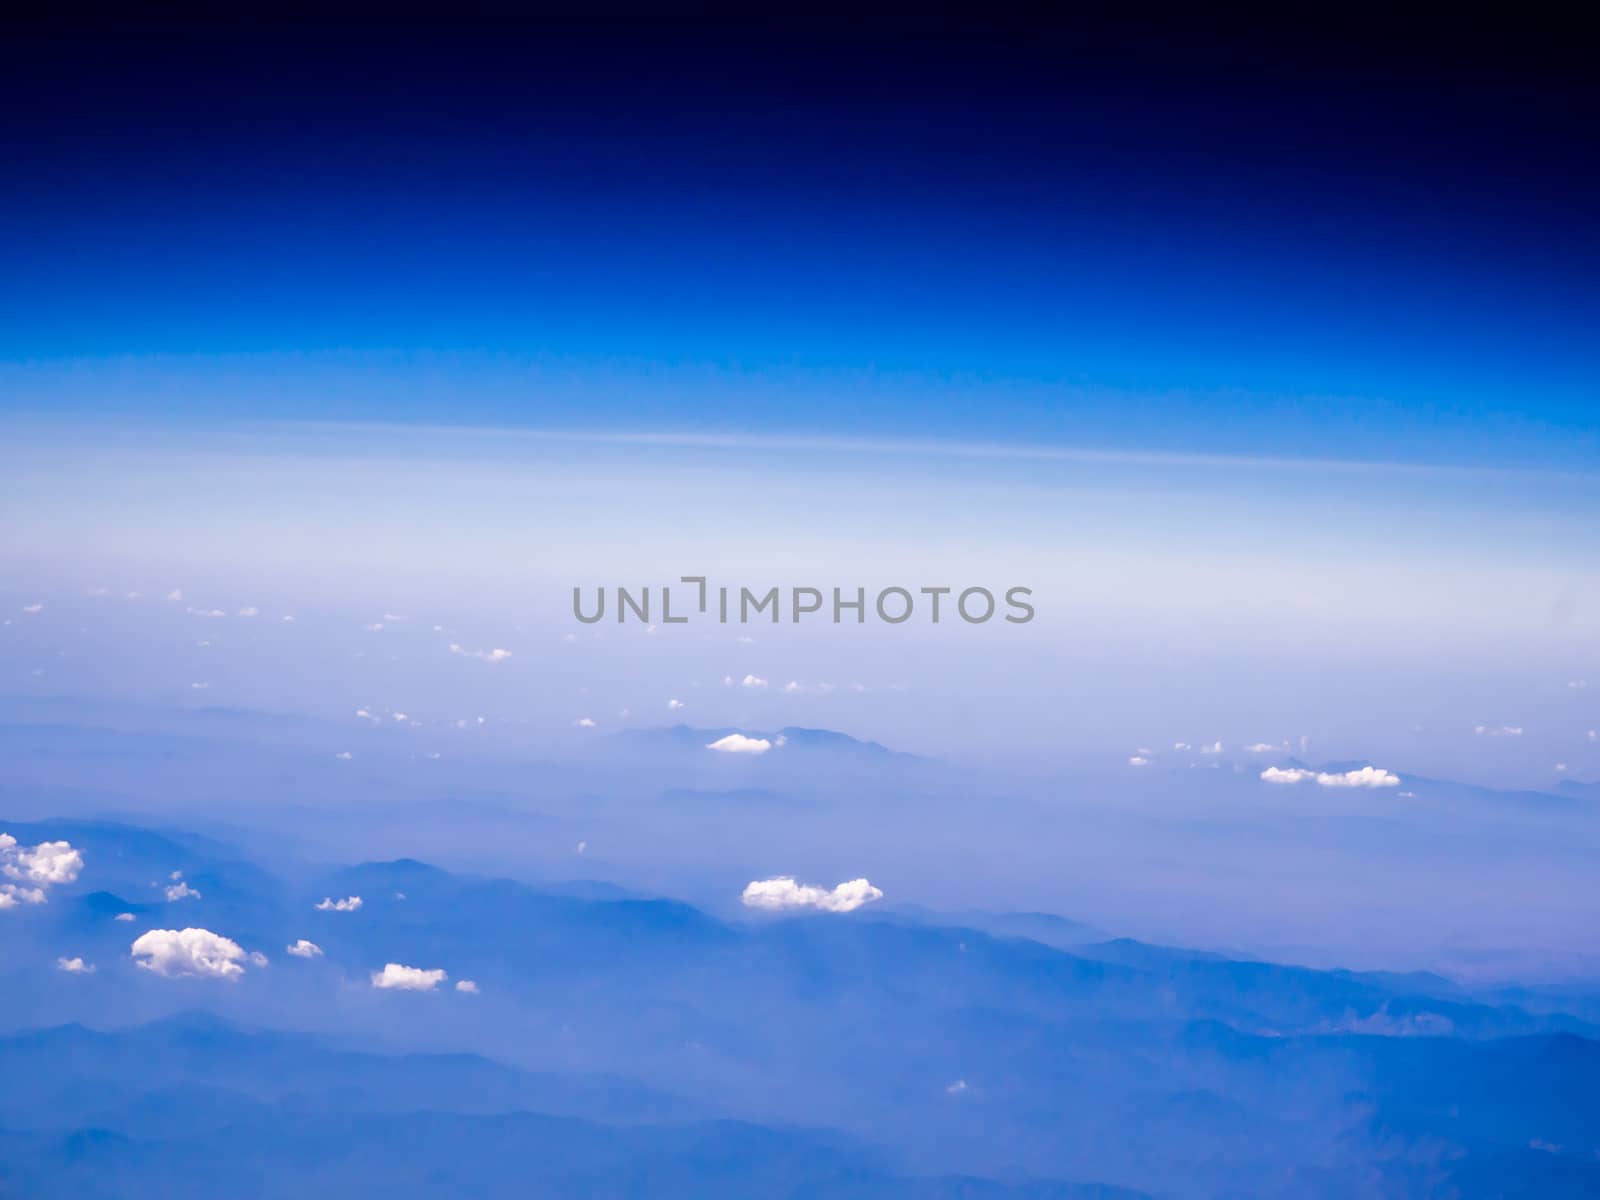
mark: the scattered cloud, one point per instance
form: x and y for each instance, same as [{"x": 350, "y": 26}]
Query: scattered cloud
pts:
[
  {"x": 200, "y": 685},
  {"x": 1138, "y": 760},
  {"x": 783, "y": 893},
  {"x": 674, "y": 705},
  {"x": 1501, "y": 731},
  {"x": 1180, "y": 745},
  {"x": 249, "y": 610},
  {"x": 181, "y": 891},
  {"x": 344, "y": 756},
  {"x": 194, "y": 953},
  {"x": 348, "y": 904},
  {"x": 1364, "y": 777},
  {"x": 1213, "y": 748},
  {"x": 956, "y": 1088},
  {"x": 304, "y": 949},
  {"x": 74, "y": 966},
  {"x": 489, "y": 656},
  {"x": 467, "y": 986},
  {"x": 175, "y": 595},
  {"x": 584, "y": 723},
  {"x": 47, "y": 864},
  {"x": 124, "y": 917},
  {"x": 1261, "y": 748},
  {"x": 33, "y": 608},
  {"x": 737, "y": 743},
  {"x": 395, "y": 977},
  {"x": 753, "y": 681}
]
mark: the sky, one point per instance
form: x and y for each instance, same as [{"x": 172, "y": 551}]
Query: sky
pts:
[{"x": 1271, "y": 374}]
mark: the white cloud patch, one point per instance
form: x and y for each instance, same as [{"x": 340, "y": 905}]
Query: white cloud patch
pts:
[
  {"x": 124, "y": 917},
  {"x": 304, "y": 949},
  {"x": 1364, "y": 777},
  {"x": 33, "y": 608},
  {"x": 584, "y": 723},
  {"x": 348, "y": 904},
  {"x": 1213, "y": 748},
  {"x": 737, "y": 743},
  {"x": 674, "y": 705},
  {"x": 191, "y": 953},
  {"x": 33, "y": 870},
  {"x": 753, "y": 681},
  {"x": 1498, "y": 731},
  {"x": 1138, "y": 760},
  {"x": 467, "y": 986},
  {"x": 395, "y": 977},
  {"x": 74, "y": 966},
  {"x": 782, "y": 893},
  {"x": 489, "y": 656},
  {"x": 181, "y": 891}
]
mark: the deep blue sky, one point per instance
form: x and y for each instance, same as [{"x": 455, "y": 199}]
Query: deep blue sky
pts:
[{"x": 1323, "y": 242}]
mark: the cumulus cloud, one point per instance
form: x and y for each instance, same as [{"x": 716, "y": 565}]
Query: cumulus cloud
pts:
[
  {"x": 1138, "y": 760},
  {"x": 193, "y": 953},
  {"x": 1260, "y": 748},
  {"x": 1180, "y": 745},
  {"x": 468, "y": 986},
  {"x": 753, "y": 681},
  {"x": 1365, "y": 777},
  {"x": 74, "y": 966},
  {"x": 489, "y": 656},
  {"x": 1500, "y": 731},
  {"x": 305, "y": 949},
  {"x": 584, "y": 723},
  {"x": 737, "y": 743},
  {"x": 395, "y": 977},
  {"x": 1213, "y": 748},
  {"x": 181, "y": 891},
  {"x": 124, "y": 917},
  {"x": 32, "y": 870},
  {"x": 783, "y": 893},
  {"x": 674, "y": 705},
  {"x": 348, "y": 904}
]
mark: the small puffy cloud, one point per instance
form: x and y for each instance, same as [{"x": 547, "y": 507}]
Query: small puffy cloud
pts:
[
  {"x": 249, "y": 610},
  {"x": 200, "y": 685},
  {"x": 782, "y": 892},
  {"x": 194, "y": 953},
  {"x": 74, "y": 966},
  {"x": 348, "y": 904},
  {"x": 395, "y": 977},
  {"x": 304, "y": 949},
  {"x": 344, "y": 756},
  {"x": 206, "y": 612},
  {"x": 46, "y": 864},
  {"x": 124, "y": 917},
  {"x": 181, "y": 891},
  {"x": 1498, "y": 731},
  {"x": 1577, "y": 685},
  {"x": 489, "y": 656},
  {"x": 1213, "y": 748},
  {"x": 674, "y": 705},
  {"x": 956, "y": 1088},
  {"x": 467, "y": 986},
  {"x": 1365, "y": 777},
  {"x": 175, "y": 595},
  {"x": 33, "y": 608},
  {"x": 753, "y": 681},
  {"x": 1260, "y": 748},
  {"x": 257, "y": 958},
  {"x": 737, "y": 743},
  {"x": 1138, "y": 760},
  {"x": 584, "y": 723},
  {"x": 1180, "y": 745}
]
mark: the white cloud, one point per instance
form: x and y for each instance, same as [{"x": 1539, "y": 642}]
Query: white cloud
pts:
[
  {"x": 32, "y": 608},
  {"x": 468, "y": 986},
  {"x": 124, "y": 917},
  {"x": 305, "y": 949},
  {"x": 673, "y": 705},
  {"x": 249, "y": 610},
  {"x": 257, "y": 958},
  {"x": 1260, "y": 748},
  {"x": 196, "y": 953},
  {"x": 181, "y": 891},
  {"x": 1577, "y": 684},
  {"x": 205, "y": 612},
  {"x": 1180, "y": 745},
  {"x": 584, "y": 723},
  {"x": 348, "y": 904},
  {"x": 1213, "y": 748},
  {"x": 489, "y": 656},
  {"x": 74, "y": 966},
  {"x": 395, "y": 977},
  {"x": 48, "y": 863},
  {"x": 1365, "y": 777},
  {"x": 1138, "y": 760},
  {"x": 344, "y": 756},
  {"x": 175, "y": 595},
  {"x": 200, "y": 685},
  {"x": 737, "y": 743},
  {"x": 753, "y": 681},
  {"x": 784, "y": 893},
  {"x": 956, "y": 1088},
  {"x": 1501, "y": 731}
]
